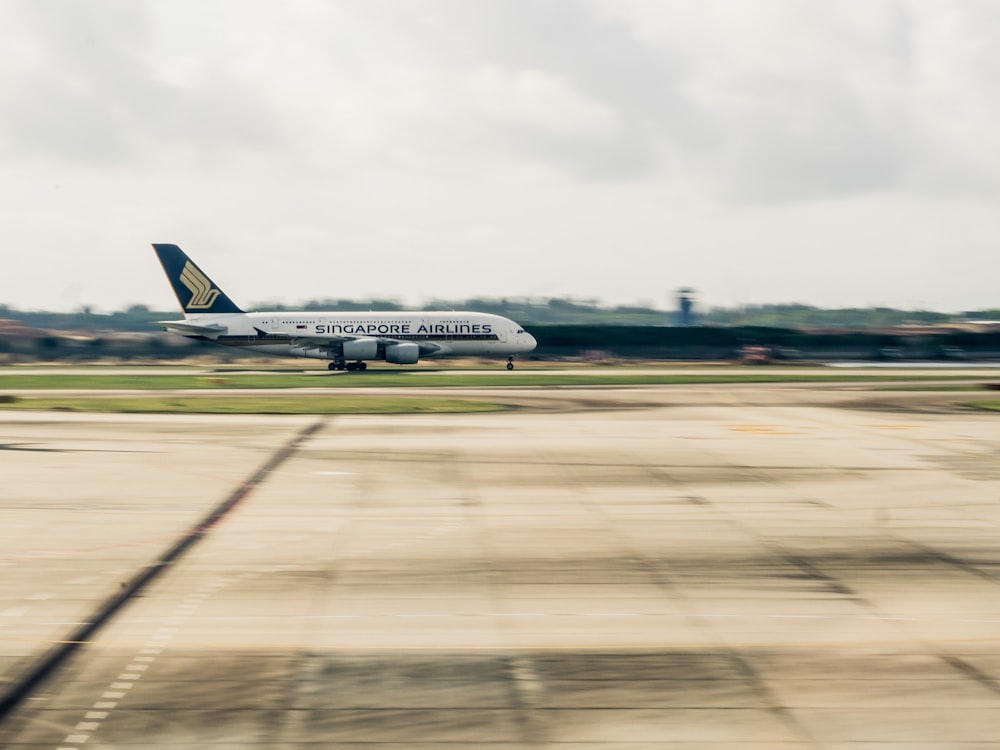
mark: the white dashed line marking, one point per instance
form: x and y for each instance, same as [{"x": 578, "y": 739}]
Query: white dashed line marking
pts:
[{"x": 139, "y": 664}]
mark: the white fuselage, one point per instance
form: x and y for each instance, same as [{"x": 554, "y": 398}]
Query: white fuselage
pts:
[{"x": 315, "y": 334}]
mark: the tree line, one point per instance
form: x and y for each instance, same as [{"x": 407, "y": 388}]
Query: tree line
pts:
[{"x": 554, "y": 311}]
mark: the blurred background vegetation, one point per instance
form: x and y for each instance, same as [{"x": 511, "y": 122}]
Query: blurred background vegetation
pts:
[
  {"x": 539, "y": 311},
  {"x": 581, "y": 329}
]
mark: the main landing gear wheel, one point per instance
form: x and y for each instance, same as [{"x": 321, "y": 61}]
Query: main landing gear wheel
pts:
[
  {"x": 510, "y": 363},
  {"x": 339, "y": 364}
]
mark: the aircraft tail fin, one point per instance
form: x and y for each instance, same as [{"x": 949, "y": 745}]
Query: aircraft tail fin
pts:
[{"x": 195, "y": 291}]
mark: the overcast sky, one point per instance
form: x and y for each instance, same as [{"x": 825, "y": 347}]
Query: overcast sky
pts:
[{"x": 838, "y": 153}]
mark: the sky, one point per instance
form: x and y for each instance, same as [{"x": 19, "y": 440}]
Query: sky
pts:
[{"x": 760, "y": 151}]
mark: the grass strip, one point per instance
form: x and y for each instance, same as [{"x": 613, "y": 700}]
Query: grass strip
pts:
[
  {"x": 240, "y": 404},
  {"x": 988, "y": 405},
  {"x": 428, "y": 380}
]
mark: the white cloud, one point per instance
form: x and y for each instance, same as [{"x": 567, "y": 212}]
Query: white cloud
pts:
[
  {"x": 953, "y": 99},
  {"x": 902, "y": 95},
  {"x": 536, "y": 99},
  {"x": 443, "y": 147}
]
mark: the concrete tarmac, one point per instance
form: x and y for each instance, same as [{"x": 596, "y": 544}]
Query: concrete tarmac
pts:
[{"x": 676, "y": 567}]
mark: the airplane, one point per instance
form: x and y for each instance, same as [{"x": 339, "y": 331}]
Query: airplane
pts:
[{"x": 348, "y": 339}]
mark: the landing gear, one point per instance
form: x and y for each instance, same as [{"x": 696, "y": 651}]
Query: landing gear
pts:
[
  {"x": 339, "y": 364},
  {"x": 510, "y": 363}
]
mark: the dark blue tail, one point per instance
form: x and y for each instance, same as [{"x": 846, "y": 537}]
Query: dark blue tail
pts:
[{"x": 195, "y": 291}]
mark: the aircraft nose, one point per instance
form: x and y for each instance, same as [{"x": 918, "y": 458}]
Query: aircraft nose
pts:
[{"x": 529, "y": 342}]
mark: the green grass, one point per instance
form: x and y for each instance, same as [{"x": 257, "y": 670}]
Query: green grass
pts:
[
  {"x": 988, "y": 405},
  {"x": 179, "y": 392},
  {"x": 243, "y": 404},
  {"x": 72, "y": 381}
]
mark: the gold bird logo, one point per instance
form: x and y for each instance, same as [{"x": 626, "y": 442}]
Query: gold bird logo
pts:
[{"x": 202, "y": 292}]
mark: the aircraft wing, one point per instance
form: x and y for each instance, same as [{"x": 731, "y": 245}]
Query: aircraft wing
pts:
[{"x": 331, "y": 341}]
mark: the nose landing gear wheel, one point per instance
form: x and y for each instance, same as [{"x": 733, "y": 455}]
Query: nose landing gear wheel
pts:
[{"x": 510, "y": 363}]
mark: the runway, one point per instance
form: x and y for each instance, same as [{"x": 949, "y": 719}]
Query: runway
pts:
[{"x": 671, "y": 567}]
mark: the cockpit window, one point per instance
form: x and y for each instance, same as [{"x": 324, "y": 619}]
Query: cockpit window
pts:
[{"x": 520, "y": 330}]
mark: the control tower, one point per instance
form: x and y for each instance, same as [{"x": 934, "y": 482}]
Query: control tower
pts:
[{"x": 684, "y": 315}]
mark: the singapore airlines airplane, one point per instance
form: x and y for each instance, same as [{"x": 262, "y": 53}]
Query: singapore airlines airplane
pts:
[{"x": 347, "y": 339}]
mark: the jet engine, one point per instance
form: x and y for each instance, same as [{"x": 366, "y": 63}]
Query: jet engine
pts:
[
  {"x": 360, "y": 349},
  {"x": 402, "y": 354}
]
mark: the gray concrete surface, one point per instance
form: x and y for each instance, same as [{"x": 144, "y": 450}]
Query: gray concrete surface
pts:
[{"x": 750, "y": 567}]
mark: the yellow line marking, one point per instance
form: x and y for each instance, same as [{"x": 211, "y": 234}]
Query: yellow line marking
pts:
[{"x": 762, "y": 429}]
